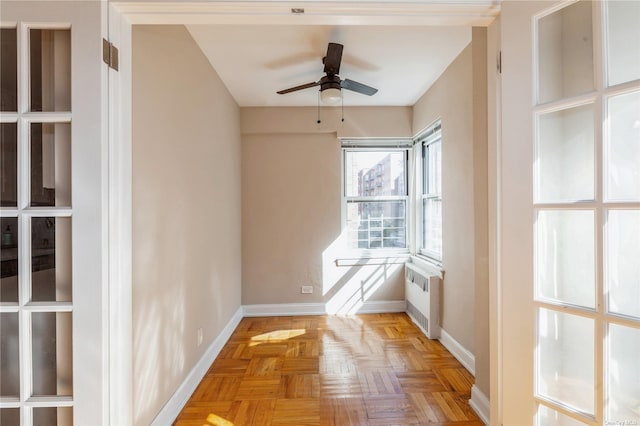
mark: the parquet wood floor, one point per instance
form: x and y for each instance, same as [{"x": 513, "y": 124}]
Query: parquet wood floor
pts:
[{"x": 376, "y": 369}]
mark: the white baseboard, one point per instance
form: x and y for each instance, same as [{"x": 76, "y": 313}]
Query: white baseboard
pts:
[
  {"x": 480, "y": 404},
  {"x": 466, "y": 358},
  {"x": 284, "y": 309},
  {"x": 174, "y": 405}
]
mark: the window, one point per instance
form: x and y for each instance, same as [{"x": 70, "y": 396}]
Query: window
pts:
[
  {"x": 375, "y": 197},
  {"x": 431, "y": 143}
]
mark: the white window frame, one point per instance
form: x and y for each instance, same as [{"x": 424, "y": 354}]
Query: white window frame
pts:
[
  {"x": 430, "y": 136},
  {"x": 386, "y": 145}
]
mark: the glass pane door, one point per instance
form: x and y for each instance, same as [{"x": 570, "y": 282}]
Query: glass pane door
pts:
[
  {"x": 587, "y": 213},
  {"x": 36, "y": 287}
]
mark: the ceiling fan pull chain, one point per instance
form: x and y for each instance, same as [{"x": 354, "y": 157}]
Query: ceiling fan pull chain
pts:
[
  {"x": 318, "y": 107},
  {"x": 342, "y": 98}
]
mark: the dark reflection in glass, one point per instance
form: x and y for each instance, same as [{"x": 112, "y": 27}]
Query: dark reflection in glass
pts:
[
  {"x": 9, "y": 356},
  {"x": 51, "y": 164},
  {"x": 8, "y": 70},
  {"x": 53, "y": 416},
  {"x": 8, "y": 164},
  {"x": 9, "y": 416},
  {"x": 9, "y": 253},
  {"x": 50, "y": 73},
  {"x": 51, "y": 259},
  {"x": 52, "y": 360}
]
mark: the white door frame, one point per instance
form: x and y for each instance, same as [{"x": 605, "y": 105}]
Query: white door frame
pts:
[{"x": 122, "y": 16}]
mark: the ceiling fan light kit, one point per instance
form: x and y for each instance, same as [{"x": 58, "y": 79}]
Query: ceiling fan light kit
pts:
[{"x": 330, "y": 84}]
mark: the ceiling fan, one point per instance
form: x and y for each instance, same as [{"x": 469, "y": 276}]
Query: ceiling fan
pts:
[{"x": 331, "y": 84}]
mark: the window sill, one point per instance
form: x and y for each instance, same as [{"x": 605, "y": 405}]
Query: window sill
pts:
[
  {"x": 428, "y": 264},
  {"x": 374, "y": 259}
]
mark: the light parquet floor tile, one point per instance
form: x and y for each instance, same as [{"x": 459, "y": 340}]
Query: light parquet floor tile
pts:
[{"x": 376, "y": 369}]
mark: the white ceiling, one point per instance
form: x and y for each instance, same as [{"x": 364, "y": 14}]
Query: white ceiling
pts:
[{"x": 402, "y": 62}]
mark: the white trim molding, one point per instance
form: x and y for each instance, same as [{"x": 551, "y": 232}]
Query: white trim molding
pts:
[
  {"x": 174, "y": 405},
  {"x": 284, "y": 309},
  {"x": 376, "y": 12},
  {"x": 480, "y": 404},
  {"x": 462, "y": 354}
]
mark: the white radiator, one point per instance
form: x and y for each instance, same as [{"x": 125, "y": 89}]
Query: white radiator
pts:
[{"x": 422, "y": 291}]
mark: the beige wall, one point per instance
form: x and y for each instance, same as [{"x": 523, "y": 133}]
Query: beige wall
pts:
[
  {"x": 458, "y": 98},
  {"x": 291, "y": 207},
  {"x": 186, "y": 211}
]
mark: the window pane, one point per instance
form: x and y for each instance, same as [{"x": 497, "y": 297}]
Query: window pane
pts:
[
  {"x": 51, "y": 164},
  {"x": 433, "y": 169},
  {"x": 50, "y": 70},
  {"x": 565, "y": 155},
  {"x": 52, "y": 373},
  {"x": 623, "y": 36},
  {"x": 9, "y": 164},
  {"x": 622, "y": 151},
  {"x": 623, "y": 375},
  {"x": 9, "y": 356},
  {"x": 376, "y": 224},
  {"x": 374, "y": 173},
  {"x": 548, "y": 417},
  {"x": 565, "y": 367},
  {"x": 8, "y": 70},
  {"x": 432, "y": 226},
  {"x": 565, "y": 258},
  {"x": 51, "y": 259},
  {"x": 9, "y": 252},
  {"x": 622, "y": 254},
  {"x": 565, "y": 53},
  {"x": 53, "y": 416}
]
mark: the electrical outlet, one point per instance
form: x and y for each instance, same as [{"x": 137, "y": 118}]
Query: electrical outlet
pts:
[
  {"x": 199, "y": 336},
  {"x": 306, "y": 289}
]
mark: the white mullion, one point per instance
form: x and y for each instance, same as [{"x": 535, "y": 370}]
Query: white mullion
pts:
[
  {"x": 376, "y": 198},
  {"x": 47, "y": 117},
  {"x": 567, "y": 410},
  {"x": 9, "y": 308},
  {"x": 48, "y": 212},
  {"x": 49, "y": 401},
  {"x": 9, "y": 402},
  {"x": 8, "y": 117},
  {"x": 48, "y": 307},
  {"x": 566, "y": 103},
  {"x": 24, "y": 155},
  {"x": 24, "y": 94},
  {"x": 8, "y": 212}
]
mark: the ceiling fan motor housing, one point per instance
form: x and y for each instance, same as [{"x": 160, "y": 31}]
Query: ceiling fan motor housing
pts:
[{"x": 330, "y": 82}]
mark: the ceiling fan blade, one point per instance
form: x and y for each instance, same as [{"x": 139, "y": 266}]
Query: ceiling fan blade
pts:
[
  {"x": 333, "y": 59},
  {"x": 358, "y": 87},
  {"x": 296, "y": 88}
]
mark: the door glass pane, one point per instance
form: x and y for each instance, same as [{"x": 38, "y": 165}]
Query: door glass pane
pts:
[
  {"x": 371, "y": 173},
  {"x": 622, "y": 149},
  {"x": 623, "y": 375},
  {"x": 623, "y": 36},
  {"x": 565, "y": 53},
  {"x": 9, "y": 416},
  {"x": 51, "y": 259},
  {"x": 8, "y": 70},
  {"x": 622, "y": 254},
  {"x": 548, "y": 417},
  {"x": 51, "y": 164},
  {"x": 9, "y": 164},
  {"x": 50, "y": 69},
  {"x": 565, "y": 155},
  {"x": 51, "y": 346},
  {"x": 53, "y": 416},
  {"x": 376, "y": 224},
  {"x": 9, "y": 252},
  {"x": 565, "y": 365},
  {"x": 565, "y": 256},
  {"x": 9, "y": 353}
]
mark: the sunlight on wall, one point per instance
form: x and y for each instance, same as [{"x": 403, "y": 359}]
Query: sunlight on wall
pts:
[{"x": 349, "y": 287}]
